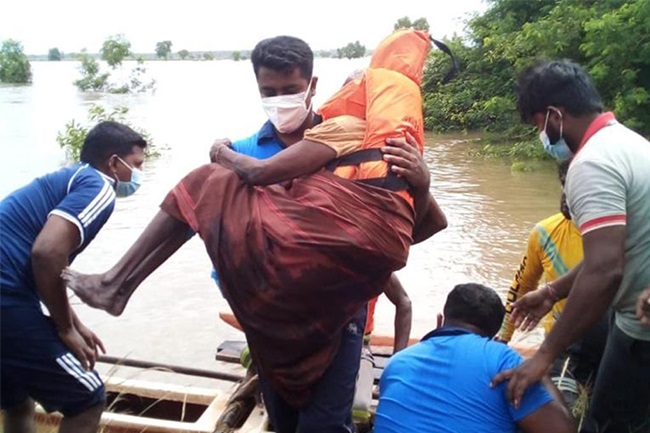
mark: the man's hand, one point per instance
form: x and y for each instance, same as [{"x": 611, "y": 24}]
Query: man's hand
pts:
[
  {"x": 406, "y": 161},
  {"x": 643, "y": 307},
  {"x": 77, "y": 343},
  {"x": 521, "y": 377},
  {"x": 91, "y": 339},
  {"x": 218, "y": 144},
  {"x": 530, "y": 308}
]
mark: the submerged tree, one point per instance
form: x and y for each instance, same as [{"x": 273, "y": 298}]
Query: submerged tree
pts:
[
  {"x": 91, "y": 78},
  {"x": 54, "y": 55},
  {"x": 72, "y": 139},
  {"x": 183, "y": 54},
  {"x": 115, "y": 49},
  {"x": 163, "y": 49},
  {"x": 353, "y": 50},
  {"x": 14, "y": 66}
]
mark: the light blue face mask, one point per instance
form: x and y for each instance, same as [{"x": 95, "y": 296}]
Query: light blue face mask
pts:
[
  {"x": 560, "y": 149},
  {"x": 125, "y": 189}
]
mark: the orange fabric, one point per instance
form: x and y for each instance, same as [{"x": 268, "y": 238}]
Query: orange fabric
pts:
[
  {"x": 388, "y": 96},
  {"x": 370, "y": 319}
]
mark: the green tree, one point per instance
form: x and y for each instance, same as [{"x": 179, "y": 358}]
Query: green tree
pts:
[
  {"x": 406, "y": 23},
  {"x": 421, "y": 24},
  {"x": 183, "y": 54},
  {"x": 91, "y": 77},
  {"x": 163, "y": 49},
  {"x": 208, "y": 56},
  {"x": 72, "y": 138},
  {"x": 236, "y": 56},
  {"x": 14, "y": 66},
  {"x": 115, "y": 49},
  {"x": 353, "y": 50},
  {"x": 609, "y": 37},
  {"x": 403, "y": 23},
  {"x": 54, "y": 54}
]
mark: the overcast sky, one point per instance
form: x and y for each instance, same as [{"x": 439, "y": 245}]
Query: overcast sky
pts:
[{"x": 198, "y": 25}]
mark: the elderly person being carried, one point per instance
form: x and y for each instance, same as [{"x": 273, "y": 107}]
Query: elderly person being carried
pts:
[{"x": 298, "y": 261}]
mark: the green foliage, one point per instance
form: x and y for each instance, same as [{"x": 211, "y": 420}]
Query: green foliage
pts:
[
  {"x": 406, "y": 23},
  {"x": 403, "y": 23},
  {"x": 208, "y": 56},
  {"x": 609, "y": 37},
  {"x": 115, "y": 49},
  {"x": 183, "y": 54},
  {"x": 54, "y": 55},
  {"x": 236, "y": 56},
  {"x": 14, "y": 66},
  {"x": 72, "y": 139},
  {"x": 91, "y": 78},
  {"x": 353, "y": 50},
  {"x": 163, "y": 49}
]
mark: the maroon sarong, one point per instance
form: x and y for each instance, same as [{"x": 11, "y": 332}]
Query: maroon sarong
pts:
[{"x": 295, "y": 264}]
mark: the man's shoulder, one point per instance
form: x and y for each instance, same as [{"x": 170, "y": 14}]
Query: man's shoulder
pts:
[
  {"x": 262, "y": 144},
  {"x": 549, "y": 225}
]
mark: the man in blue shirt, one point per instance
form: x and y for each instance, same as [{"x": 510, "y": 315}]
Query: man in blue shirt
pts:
[
  {"x": 442, "y": 384},
  {"x": 283, "y": 68},
  {"x": 44, "y": 226}
]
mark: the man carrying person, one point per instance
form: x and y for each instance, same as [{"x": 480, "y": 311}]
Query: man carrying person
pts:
[
  {"x": 283, "y": 299},
  {"x": 608, "y": 185},
  {"x": 442, "y": 383},
  {"x": 45, "y": 225}
]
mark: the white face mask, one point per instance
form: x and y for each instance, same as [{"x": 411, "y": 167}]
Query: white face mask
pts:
[{"x": 287, "y": 112}]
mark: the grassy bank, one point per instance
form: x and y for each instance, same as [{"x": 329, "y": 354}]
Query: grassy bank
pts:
[{"x": 525, "y": 154}]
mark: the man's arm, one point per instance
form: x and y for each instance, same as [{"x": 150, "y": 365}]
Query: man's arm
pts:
[
  {"x": 552, "y": 417},
  {"x": 299, "y": 159},
  {"x": 50, "y": 253},
  {"x": 403, "y": 313},
  {"x": 595, "y": 287},
  {"x": 406, "y": 161}
]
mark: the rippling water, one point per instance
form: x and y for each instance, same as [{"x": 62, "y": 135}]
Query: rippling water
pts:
[{"x": 172, "y": 318}]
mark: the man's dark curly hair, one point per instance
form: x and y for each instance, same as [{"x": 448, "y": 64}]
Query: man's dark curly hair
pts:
[
  {"x": 476, "y": 305},
  {"x": 283, "y": 54},
  {"x": 560, "y": 83}
]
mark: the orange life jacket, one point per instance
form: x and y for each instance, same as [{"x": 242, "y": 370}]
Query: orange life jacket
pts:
[{"x": 388, "y": 97}]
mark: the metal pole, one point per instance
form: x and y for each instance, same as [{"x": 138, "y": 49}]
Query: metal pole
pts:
[{"x": 175, "y": 368}]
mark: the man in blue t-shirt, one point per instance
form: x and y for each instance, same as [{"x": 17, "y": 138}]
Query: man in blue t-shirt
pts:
[
  {"x": 442, "y": 384},
  {"x": 44, "y": 226}
]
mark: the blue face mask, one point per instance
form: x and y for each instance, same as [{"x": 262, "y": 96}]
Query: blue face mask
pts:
[
  {"x": 125, "y": 189},
  {"x": 560, "y": 149}
]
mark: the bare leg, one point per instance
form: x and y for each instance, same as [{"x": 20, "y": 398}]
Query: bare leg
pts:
[
  {"x": 85, "y": 422},
  {"x": 111, "y": 290},
  {"x": 20, "y": 419}
]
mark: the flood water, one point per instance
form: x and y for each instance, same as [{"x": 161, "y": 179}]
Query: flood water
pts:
[{"x": 173, "y": 317}]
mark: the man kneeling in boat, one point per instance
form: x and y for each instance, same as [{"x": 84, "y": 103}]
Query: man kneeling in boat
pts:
[
  {"x": 296, "y": 263},
  {"x": 442, "y": 384}
]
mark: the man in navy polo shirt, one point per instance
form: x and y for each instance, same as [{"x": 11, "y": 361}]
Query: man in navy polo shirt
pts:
[
  {"x": 283, "y": 68},
  {"x": 44, "y": 226}
]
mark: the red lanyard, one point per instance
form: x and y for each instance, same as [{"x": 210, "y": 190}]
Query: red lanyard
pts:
[{"x": 599, "y": 123}]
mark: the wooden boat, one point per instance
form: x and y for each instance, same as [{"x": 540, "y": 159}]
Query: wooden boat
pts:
[{"x": 136, "y": 406}]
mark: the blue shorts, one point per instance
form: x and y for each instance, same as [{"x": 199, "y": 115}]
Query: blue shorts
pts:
[{"x": 36, "y": 364}]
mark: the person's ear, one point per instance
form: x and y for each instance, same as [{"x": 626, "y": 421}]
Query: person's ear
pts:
[
  {"x": 439, "y": 320},
  {"x": 112, "y": 163},
  {"x": 314, "y": 82}
]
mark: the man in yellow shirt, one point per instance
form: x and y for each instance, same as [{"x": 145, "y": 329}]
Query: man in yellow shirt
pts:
[{"x": 554, "y": 248}]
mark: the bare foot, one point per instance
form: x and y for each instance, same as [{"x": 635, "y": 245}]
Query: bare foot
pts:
[{"x": 94, "y": 290}]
